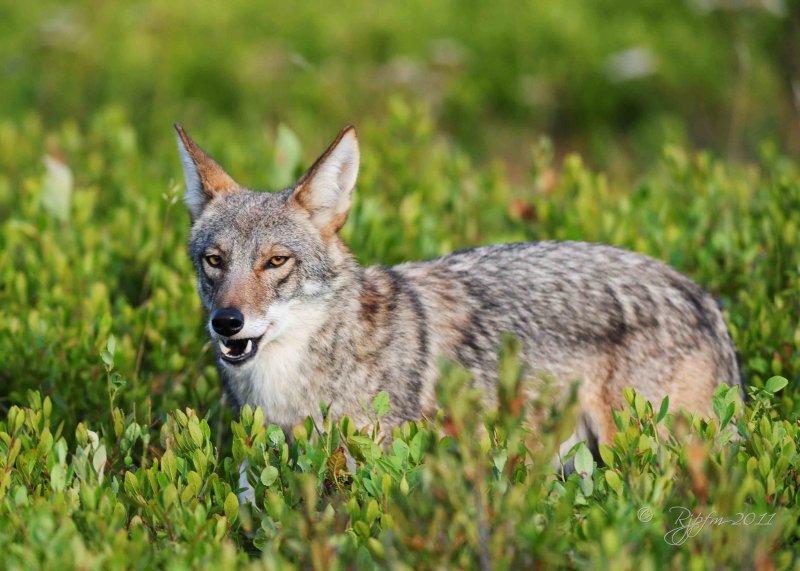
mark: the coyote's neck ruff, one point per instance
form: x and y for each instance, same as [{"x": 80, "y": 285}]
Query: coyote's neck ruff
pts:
[{"x": 295, "y": 321}]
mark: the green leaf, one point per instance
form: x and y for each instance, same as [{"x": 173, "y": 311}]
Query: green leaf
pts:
[
  {"x": 367, "y": 447},
  {"x": 417, "y": 446},
  {"x": 231, "y": 507},
  {"x": 381, "y": 404},
  {"x": 361, "y": 528},
  {"x": 376, "y": 547},
  {"x": 239, "y": 451},
  {"x": 275, "y": 435},
  {"x": 728, "y": 415},
  {"x": 587, "y": 486},
  {"x": 99, "y": 460},
  {"x": 629, "y": 395},
  {"x": 776, "y": 384},
  {"x": 640, "y": 405},
  {"x": 373, "y": 511},
  {"x": 258, "y": 418},
  {"x": 247, "y": 417},
  {"x": 187, "y": 494},
  {"x": 194, "y": 481},
  {"x": 195, "y": 433},
  {"x": 170, "y": 495},
  {"x": 119, "y": 422},
  {"x": 12, "y": 455},
  {"x": 607, "y": 455},
  {"x": 58, "y": 478},
  {"x": 20, "y": 495},
  {"x": 404, "y": 487},
  {"x": 169, "y": 465},
  {"x": 111, "y": 344},
  {"x": 614, "y": 481},
  {"x": 662, "y": 411},
  {"x": 200, "y": 461},
  {"x": 584, "y": 462},
  {"x": 499, "y": 459},
  {"x": 107, "y": 354},
  {"x": 400, "y": 449},
  {"x": 269, "y": 475},
  {"x": 131, "y": 484},
  {"x": 764, "y": 465}
]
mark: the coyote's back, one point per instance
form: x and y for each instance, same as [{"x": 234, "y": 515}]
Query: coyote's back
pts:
[
  {"x": 296, "y": 322},
  {"x": 607, "y": 316}
]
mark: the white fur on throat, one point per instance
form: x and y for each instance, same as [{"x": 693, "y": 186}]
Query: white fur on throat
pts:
[{"x": 275, "y": 379}]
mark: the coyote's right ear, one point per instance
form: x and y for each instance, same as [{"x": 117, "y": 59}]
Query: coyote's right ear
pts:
[
  {"x": 205, "y": 179},
  {"x": 325, "y": 191}
]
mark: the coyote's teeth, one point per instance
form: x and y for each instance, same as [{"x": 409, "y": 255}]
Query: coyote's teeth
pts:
[{"x": 237, "y": 349}]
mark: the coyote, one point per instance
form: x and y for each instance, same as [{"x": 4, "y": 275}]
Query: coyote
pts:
[{"x": 296, "y": 322}]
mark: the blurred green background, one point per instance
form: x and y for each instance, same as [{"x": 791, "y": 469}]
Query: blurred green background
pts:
[{"x": 611, "y": 79}]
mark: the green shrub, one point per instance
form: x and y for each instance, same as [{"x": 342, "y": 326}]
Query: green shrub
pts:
[
  {"x": 436, "y": 496},
  {"x": 116, "y": 450}
]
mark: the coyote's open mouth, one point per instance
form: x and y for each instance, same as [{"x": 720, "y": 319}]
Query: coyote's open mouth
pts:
[{"x": 237, "y": 351}]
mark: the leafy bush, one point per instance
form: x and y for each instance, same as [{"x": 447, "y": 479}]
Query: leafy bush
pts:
[
  {"x": 102, "y": 339},
  {"x": 116, "y": 450},
  {"x": 437, "y": 496}
]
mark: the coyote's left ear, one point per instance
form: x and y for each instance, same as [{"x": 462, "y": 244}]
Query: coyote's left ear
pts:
[
  {"x": 326, "y": 190},
  {"x": 205, "y": 179}
]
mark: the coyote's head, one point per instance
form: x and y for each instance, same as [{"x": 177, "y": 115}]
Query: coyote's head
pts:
[{"x": 267, "y": 262}]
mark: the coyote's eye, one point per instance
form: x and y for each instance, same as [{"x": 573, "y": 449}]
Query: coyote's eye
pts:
[
  {"x": 276, "y": 261},
  {"x": 214, "y": 261}
]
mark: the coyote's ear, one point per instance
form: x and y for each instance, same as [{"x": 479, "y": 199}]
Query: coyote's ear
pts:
[
  {"x": 325, "y": 191},
  {"x": 205, "y": 179}
]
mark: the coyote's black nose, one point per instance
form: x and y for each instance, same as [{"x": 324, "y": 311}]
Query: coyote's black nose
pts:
[{"x": 227, "y": 321}]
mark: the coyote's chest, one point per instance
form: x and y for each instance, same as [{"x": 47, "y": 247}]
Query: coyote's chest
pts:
[
  {"x": 282, "y": 379},
  {"x": 278, "y": 382}
]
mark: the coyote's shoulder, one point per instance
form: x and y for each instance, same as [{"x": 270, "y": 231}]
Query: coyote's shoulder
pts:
[{"x": 296, "y": 322}]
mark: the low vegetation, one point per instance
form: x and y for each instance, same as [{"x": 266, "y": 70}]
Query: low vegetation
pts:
[{"x": 116, "y": 448}]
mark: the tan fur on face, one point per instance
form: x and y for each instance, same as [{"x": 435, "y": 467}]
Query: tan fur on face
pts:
[{"x": 246, "y": 295}]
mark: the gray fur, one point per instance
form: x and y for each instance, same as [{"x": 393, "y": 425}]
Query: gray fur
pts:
[{"x": 607, "y": 317}]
